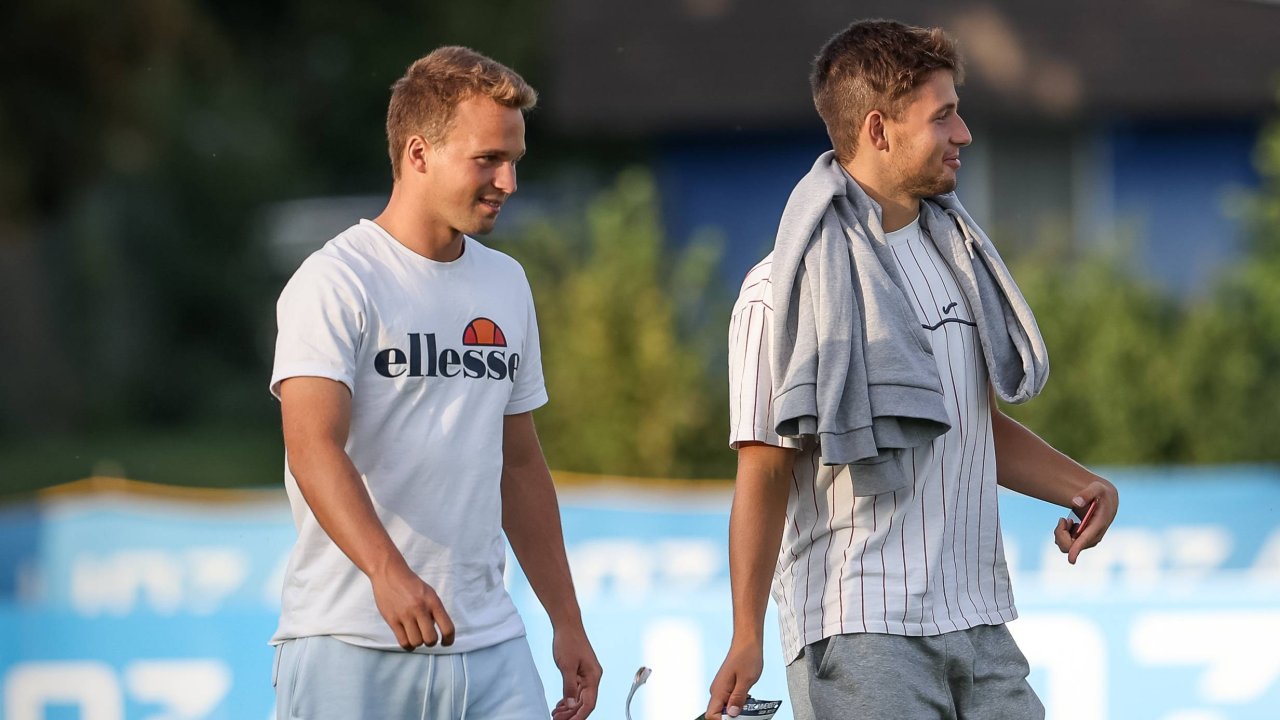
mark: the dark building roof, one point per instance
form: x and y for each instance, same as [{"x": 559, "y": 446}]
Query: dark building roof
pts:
[{"x": 620, "y": 66}]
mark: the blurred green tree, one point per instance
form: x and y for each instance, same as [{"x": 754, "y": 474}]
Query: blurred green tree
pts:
[
  {"x": 1230, "y": 346},
  {"x": 632, "y": 340},
  {"x": 1141, "y": 377},
  {"x": 139, "y": 143},
  {"x": 1109, "y": 337}
]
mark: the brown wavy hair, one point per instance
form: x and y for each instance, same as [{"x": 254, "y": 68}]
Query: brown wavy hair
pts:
[
  {"x": 875, "y": 65},
  {"x": 425, "y": 100}
]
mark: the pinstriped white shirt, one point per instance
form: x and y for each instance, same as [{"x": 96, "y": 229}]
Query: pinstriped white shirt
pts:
[{"x": 924, "y": 560}]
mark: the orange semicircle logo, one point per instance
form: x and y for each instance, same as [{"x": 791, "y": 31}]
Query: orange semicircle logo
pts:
[{"x": 483, "y": 331}]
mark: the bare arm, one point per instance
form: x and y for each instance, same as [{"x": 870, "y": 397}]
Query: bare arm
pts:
[
  {"x": 317, "y": 418},
  {"x": 531, "y": 519},
  {"x": 755, "y": 534},
  {"x": 1029, "y": 465}
]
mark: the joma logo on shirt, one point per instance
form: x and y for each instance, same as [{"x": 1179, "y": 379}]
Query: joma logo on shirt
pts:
[{"x": 425, "y": 359}]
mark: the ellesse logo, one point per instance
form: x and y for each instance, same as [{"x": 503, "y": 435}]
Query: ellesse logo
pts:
[
  {"x": 483, "y": 331},
  {"x": 424, "y": 359}
]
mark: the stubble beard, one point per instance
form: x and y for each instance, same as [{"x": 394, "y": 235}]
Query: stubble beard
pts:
[
  {"x": 478, "y": 225},
  {"x": 923, "y": 184}
]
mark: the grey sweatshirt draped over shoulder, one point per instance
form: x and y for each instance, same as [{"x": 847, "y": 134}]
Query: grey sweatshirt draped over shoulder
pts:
[{"x": 852, "y": 365}]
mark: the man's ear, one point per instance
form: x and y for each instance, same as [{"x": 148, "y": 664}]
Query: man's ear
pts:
[
  {"x": 873, "y": 131},
  {"x": 416, "y": 153}
]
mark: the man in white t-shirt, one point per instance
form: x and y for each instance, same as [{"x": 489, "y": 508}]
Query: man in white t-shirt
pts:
[
  {"x": 893, "y": 598},
  {"x": 407, "y": 366}
]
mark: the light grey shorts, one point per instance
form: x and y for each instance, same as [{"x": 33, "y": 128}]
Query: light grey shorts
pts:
[
  {"x": 320, "y": 678},
  {"x": 976, "y": 674}
]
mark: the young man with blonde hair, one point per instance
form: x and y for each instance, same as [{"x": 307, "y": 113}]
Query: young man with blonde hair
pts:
[
  {"x": 866, "y": 353},
  {"x": 407, "y": 366}
]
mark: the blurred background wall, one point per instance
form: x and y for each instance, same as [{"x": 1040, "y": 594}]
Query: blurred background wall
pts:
[{"x": 166, "y": 164}]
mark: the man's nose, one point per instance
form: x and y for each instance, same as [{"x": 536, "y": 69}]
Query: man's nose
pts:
[
  {"x": 505, "y": 178},
  {"x": 961, "y": 135}
]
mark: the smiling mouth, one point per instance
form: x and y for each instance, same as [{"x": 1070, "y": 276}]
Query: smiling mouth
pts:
[{"x": 494, "y": 205}]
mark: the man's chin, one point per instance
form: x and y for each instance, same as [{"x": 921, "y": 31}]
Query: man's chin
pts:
[
  {"x": 935, "y": 186},
  {"x": 482, "y": 227}
]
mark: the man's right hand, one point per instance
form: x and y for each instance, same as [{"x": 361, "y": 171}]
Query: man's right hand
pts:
[
  {"x": 740, "y": 670},
  {"x": 411, "y": 608}
]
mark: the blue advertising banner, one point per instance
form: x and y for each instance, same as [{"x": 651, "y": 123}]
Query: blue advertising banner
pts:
[{"x": 140, "y": 605}]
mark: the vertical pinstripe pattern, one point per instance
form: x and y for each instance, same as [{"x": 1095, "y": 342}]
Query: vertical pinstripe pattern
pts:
[{"x": 924, "y": 560}]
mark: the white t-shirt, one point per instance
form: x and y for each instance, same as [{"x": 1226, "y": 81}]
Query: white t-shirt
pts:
[
  {"x": 925, "y": 560},
  {"x": 435, "y": 354}
]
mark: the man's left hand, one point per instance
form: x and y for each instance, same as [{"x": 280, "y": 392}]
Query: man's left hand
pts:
[
  {"x": 581, "y": 671},
  {"x": 1108, "y": 500}
]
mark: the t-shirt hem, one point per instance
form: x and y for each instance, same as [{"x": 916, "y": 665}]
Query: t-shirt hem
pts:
[
  {"x": 762, "y": 435},
  {"x": 508, "y": 630},
  {"x": 533, "y": 402},
  {"x": 927, "y": 629},
  {"x": 309, "y": 371}
]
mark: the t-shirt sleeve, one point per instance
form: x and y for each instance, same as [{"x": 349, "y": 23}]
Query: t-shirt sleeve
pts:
[
  {"x": 530, "y": 391},
  {"x": 750, "y": 378},
  {"x": 320, "y": 318}
]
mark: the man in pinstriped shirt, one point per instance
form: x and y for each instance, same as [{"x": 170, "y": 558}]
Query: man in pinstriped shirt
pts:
[{"x": 891, "y": 605}]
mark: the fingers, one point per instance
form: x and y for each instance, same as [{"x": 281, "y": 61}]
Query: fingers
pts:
[
  {"x": 427, "y": 629},
  {"x": 1062, "y": 535},
  {"x": 740, "y": 670},
  {"x": 577, "y": 703},
  {"x": 1089, "y": 536},
  {"x": 581, "y": 681},
  {"x": 568, "y": 706},
  {"x": 719, "y": 701},
  {"x": 430, "y": 614},
  {"x": 444, "y": 621},
  {"x": 564, "y": 710},
  {"x": 412, "y": 633},
  {"x": 413, "y": 611},
  {"x": 588, "y": 687},
  {"x": 586, "y": 703},
  {"x": 569, "y": 687},
  {"x": 1099, "y": 502},
  {"x": 721, "y": 688},
  {"x": 1067, "y": 544},
  {"x": 1074, "y": 551},
  {"x": 421, "y": 626},
  {"x": 402, "y": 638},
  {"x": 728, "y": 695},
  {"x": 737, "y": 699}
]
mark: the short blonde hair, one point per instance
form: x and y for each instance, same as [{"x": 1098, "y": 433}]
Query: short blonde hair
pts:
[
  {"x": 425, "y": 100},
  {"x": 875, "y": 65}
]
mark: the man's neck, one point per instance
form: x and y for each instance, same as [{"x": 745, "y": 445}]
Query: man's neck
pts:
[
  {"x": 896, "y": 209},
  {"x": 411, "y": 225}
]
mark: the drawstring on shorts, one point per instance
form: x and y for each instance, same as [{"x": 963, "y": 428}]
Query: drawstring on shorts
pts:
[
  {"x": 466, "y": 682},
  {"x": 426, "y": 695}
]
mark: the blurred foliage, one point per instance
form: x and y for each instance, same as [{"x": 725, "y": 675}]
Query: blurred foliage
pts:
[
  {"x": 1141, "y": 377},
  {"x": 632, "y": 340},
  {"x": 191, "y": 456},
  {"x": 1111, "y": 344},
  {"x": 140, "y": 141},
  {"x": 1231, "y": 345}
]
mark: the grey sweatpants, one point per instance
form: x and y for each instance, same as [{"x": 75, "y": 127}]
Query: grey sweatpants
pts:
[{"x": 974, "y": 674}]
